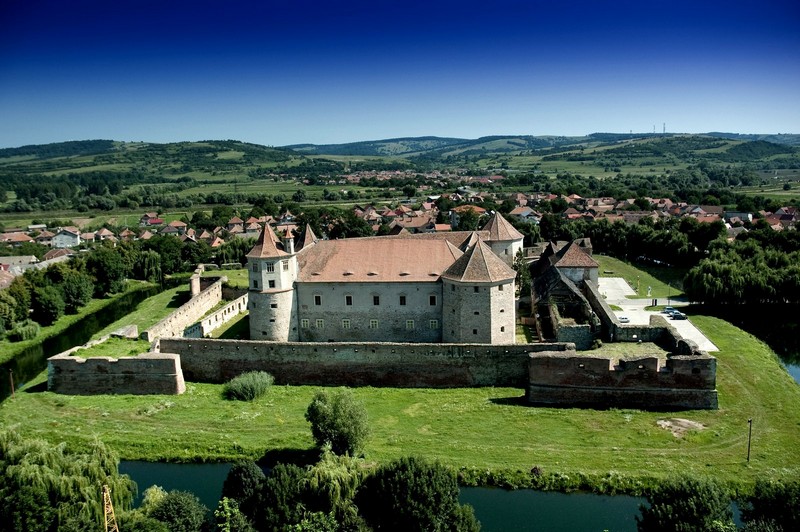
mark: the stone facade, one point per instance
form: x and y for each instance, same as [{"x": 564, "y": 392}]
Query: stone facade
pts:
[
  {"x": 479, "y": 312},
  {"x": 149, "y": 373},
  {"x": 227, "y": 313},
  {"x": 422, "y": 365}
]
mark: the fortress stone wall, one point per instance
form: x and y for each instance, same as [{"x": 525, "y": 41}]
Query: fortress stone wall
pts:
[
  {"x": 227, "y": 313},
  {"x": 190, "y": 312},
  {"x": 409, "y": 365},
  {"x": 149, "y": 373},
  {"x": 569, "y": 379}
]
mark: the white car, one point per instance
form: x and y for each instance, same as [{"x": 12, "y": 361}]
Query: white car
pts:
[{"x": 624, "y": 319}]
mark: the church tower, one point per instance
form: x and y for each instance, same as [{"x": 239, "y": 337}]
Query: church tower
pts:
[
  {"x": 272, "y": 268},
  {"x": 503, "y": 238},
  {"x": 478, "y": 299}
]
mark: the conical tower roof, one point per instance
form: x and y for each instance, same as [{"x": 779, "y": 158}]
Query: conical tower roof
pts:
[
  {"x": 309, "y": 237},
  {"x": 267, "y": 246},
  {"x": 479, "y": 265},
  {"x": 500, "y": 229}
]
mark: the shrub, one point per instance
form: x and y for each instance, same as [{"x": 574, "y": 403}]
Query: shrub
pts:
[
  {"x": 47, "y": 305},
  {"x": 339, "y": 420},
  {"x": 773, "y": 504},
  {"x": 27, "y": 330},
  {"x": 248, "y": 386},
  {"x": 242, "y": 484}
]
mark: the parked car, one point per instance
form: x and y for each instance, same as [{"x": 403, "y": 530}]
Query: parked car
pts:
[
  {"x": 668, "y": 310},
  {"x": 624, "y": 319},
  {"x": 678, "y": 315}
]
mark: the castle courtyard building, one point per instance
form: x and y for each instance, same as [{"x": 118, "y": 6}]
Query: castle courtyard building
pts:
[{"x": 455, "y": 287}]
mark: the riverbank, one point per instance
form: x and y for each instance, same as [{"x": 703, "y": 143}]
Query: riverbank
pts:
[
  {"x": 485, "y": 433},
  {"x": 10, "y": 350}
]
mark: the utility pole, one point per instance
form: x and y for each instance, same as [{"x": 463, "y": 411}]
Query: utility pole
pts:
[
  {"x": 749, "y": 436},
  {"x": 11, "y": 378}
]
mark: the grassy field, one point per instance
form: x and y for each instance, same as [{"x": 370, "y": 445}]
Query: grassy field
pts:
[
  {"x": 487, "y": 432},
  {"x": 664, "y": 281}
]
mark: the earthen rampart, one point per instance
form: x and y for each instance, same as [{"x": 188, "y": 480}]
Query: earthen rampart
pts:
[
  {"x": 148, "y": 373},
  {"x": 411, "y": 365},
  {"x": 176, "y": 323},
  {"x": 569, "y": 379}
]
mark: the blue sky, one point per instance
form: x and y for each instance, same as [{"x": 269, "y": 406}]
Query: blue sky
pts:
[{"x": 297, "y": 71}]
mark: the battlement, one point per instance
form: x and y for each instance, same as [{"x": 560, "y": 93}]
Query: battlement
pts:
[{"x": 569, "y": 379}]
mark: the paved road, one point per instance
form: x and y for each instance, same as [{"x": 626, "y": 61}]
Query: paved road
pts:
[{"x": 616, "y": 289}]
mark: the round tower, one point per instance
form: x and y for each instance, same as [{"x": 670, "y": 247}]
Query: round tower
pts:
[
  {"x": 271, "y": 298},
  {"x": 478, "y": 299}
]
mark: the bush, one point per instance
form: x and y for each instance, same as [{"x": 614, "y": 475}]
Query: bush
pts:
[
  {"x": 47, "y": 305},
  {"x": 248, "y": 386},
  {"x": 413, "y": 494},
  {"x": 27, "y": 330},
  {"x": 339, "y": 420},
  {"x": 685, "y": 504}
]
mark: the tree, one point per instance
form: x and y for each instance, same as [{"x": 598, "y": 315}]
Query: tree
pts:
[
  {"x": 47, "y": 305},
  {"x": 523, "y": 274},
  {"x": 413, "y": 494},
  {"x": 170, "y": 249},
  {"x": 338, "y": 419},
  {"x": 299, "y": 196},
  {"x": 774, "y": 504},
  {"x": 51, "y": 487},
  {"x": 20, "y": 290},
  {"x": 181, "y": 511},
  {"x": 148, "y": 267},
  {"x": 76, "y": 289},
  {"x": 108, "y": 269},
  {"x": 686, "y": 505},
  {"x": 242, "y": 484},
  {"x": 280, "y": 499},
  {"x": 468, "y": 220}
]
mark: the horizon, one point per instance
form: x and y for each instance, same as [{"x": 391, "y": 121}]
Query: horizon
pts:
[{"x": 275, "y": 74}]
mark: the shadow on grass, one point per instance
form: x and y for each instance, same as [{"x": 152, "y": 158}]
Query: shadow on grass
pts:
[
  {"x": 36, "y": 388},
  {"x": 299, "y": 457},
  {"x": 509, "y": 401},
  {"x": 178, "y": 299}
]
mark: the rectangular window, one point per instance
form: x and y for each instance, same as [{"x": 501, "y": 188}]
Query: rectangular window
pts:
[
  {"x": 474, "y": 331},
  {"x": 500, "y": 287},
  {"x": 285, "y": 265},
  {"x": 255, "y": 267},
  {"x": 402, "y": 301},
  {"x": 345, "y": 324},
  {"x": 433, "y": 324},
  {"x": 505, "y": 251},
  {"x": 477, "y": 289},
  {"x": 452, "y": 288},
  {"x": 320, "y": 324},
  {"x": 318, "y": 300},
  {"x": 373, "y": 324},
  {"x": 376, "y": 300},
  {"x": 432, "y": 300},
  {"x": 273, "y": 305},
  {"x": 409, "y": 325},
  {"x": 255, "y": 283},
  {"x": 502, "y": 329},
  {"x": 272, "y": 284},
  {"x": 348, "y": 300},
  {"x": 270, "y": 266},
  {"x": 304, "y": 324}
]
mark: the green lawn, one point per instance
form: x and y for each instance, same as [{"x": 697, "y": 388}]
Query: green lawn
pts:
[
  {"x": 485, "y": 431},
  {"x": 115, "y": 348},
  {"x": 664, "y": 281}
]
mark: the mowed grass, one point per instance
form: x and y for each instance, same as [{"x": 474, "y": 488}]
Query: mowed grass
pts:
[
  {"x": 484, "y": 430},
  {"x": 664, "y": 281},
  {"x": 114, "y": 348}
]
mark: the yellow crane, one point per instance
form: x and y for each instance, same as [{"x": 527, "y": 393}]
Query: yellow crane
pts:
[{"x": 108, "y": 511}]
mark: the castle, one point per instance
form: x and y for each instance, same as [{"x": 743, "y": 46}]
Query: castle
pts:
[{"x": 452, "y": 287}]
